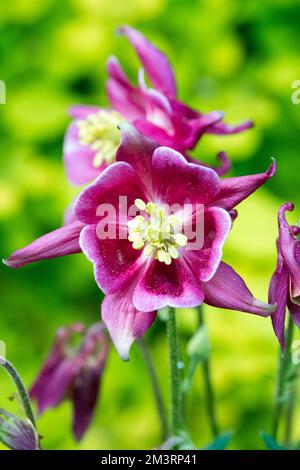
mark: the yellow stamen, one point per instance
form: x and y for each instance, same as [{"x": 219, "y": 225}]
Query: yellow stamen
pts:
[
  {"x": 99, "y": 132},
  {"x": 156, "y": 232}
]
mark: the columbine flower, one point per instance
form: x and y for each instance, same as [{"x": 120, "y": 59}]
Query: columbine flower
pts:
[
  {"x": 149, "y": 264},
  {"x": 73, "y": 372},
  {"x": 92, "y": 138},
  {"x": 16, "y": 433},
  {"x": 285, "y": 283}
]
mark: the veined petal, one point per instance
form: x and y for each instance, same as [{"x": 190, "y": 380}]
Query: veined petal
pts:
[
  {"x": 289, "y": 247},
  {"x": 235, "y": 190},
  {"x": 228, "y": 290},
  {"x": 156, "y": 64},
  {"x": 119, "y": 179},
  {"x": 115, "y": 261},
  {"x": 205, "y": 260},
  {"x": 160, "y": 285},
  {"x": 178, "y": 182},
  {"x": 124, "y": 322},
  {"x": 60, "y": 242},
  {"x": 278, "y": 294}
]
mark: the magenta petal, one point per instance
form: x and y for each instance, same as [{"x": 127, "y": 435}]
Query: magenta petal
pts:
[
  {"x": 178, "y": 182},
  {"x": 222, "y": 128},
  {"x": 205, "y": 260},
  {"x": 156, "y": 64},
  {"x": 161, "y": 285},
  {"x": 278, "y": 294},
  {"x": 115, "y": 261},
  {"x": 82, "y": 111},
  {"x": 137, "y": 149},
  {"x": 119, "y": 179},
  {"x": 228, "y": 290},
  {"x": 124, "y": 322},
  {"x": 60, "y": 242},
  {"x": 235, "y": 190},
  {"x": 290, "y": 249},
  {"x": 79, "y": 158},
  {"x": 295, "y": 312}
]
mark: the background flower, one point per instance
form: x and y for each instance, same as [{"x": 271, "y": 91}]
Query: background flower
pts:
[{"x": 245, "y": 57}]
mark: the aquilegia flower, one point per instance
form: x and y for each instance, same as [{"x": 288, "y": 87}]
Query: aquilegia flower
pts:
[
  {"x": 92, "y": 138},
  {"x": 17, "y": 433},
  {"x": 145, "y": 261},
  {"x": 74, "y": 372},
  {"x": 285, "y": 283}
]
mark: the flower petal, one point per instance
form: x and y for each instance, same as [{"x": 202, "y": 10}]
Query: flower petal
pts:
[
  {"x": 60, "y": 242},
  {"x": 222, "y": 128},
  {"x": 160, "y": 285},
  {"x": 103, "y": 195},
  {"x": 82, "y": 111},
  {"x": 136, "y": 149},
  {"x": 205, "y": 260},
  {"x": 278, "y": 294},
  {"x": 124, "y": 98},
  {"x": 156, "y": 64},
  {"x": 115, "y": 261},
  {"x": 228, "y": 290},
  {"x": 295, "y": 312},
  {"x": 124, "y": 322},
  {"x": 235, "y": 190},
  {"x": 79, "y": 158},
  {"x": 290, "y": 249},
  {"x": 178, "y": 182}
]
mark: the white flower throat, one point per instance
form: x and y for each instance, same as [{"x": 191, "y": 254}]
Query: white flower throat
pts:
[
  {"x": 99, "y": 132},
  {"x": 157, "y": 233}
]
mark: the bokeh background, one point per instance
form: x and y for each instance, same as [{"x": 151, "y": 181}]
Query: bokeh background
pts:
[{"x": 240, "y": 57}]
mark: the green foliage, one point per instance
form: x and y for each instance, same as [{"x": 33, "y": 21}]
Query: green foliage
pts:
[
  {"x": 237, "y": 56},
  {"x": 221, "y": 442},
  {"x": 271, "y": 443}
]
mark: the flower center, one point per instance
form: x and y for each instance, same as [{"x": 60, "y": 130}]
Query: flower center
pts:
[
  {"x": 99, "y": 132},
  {"x": 157, "y": 233}
]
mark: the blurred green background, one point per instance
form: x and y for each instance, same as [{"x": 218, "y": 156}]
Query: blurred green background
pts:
[{"x": 240, "y": 57}]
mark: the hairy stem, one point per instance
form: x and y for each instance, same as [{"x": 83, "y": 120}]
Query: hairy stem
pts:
[
  {"x": 156, "y": 388},
  {"x": 284, "y": 360},
  {"x": 15, "y": 376},
  {"x": 209, "y": 391},
  {"x": 176, "y": 397}
]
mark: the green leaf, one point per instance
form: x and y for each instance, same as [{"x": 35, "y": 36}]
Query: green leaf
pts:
[
  {"x": 221, "y": 442},
  {"x": 271, "y": 443},
  {"x": 198, "y": 347},
  {"x": 198, "y": 350}
]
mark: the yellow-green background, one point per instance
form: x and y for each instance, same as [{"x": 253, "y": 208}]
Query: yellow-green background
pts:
[{"x": 237, "y": 56}]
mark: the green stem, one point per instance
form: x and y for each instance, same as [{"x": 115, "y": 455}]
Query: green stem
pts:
[
  {"x": 290, "y": 412},
  {"x": 209, "y": 391},
  {"x": 284, "y": 360},
  {"x": 176, "y": 397},
  {"x": 25, "y": 400},
  {"x": 156, "y": 388}
]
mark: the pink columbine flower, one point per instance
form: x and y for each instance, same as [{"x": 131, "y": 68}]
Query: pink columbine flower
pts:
[
  {"x": 285, "y": 283},
  {"x": 145, "y": 268},
  {"x": 73, "y": 372},
  {"x": 92, "y": 138}
]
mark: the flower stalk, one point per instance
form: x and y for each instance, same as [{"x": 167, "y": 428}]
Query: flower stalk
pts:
[
  {"x": 24, "y": 397},
  {"x": 209, "y": 391},
  {"x": 282, "y": 373},
  {"x": 156, "y": 388},
  {"x": 176, "y": 396}
]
